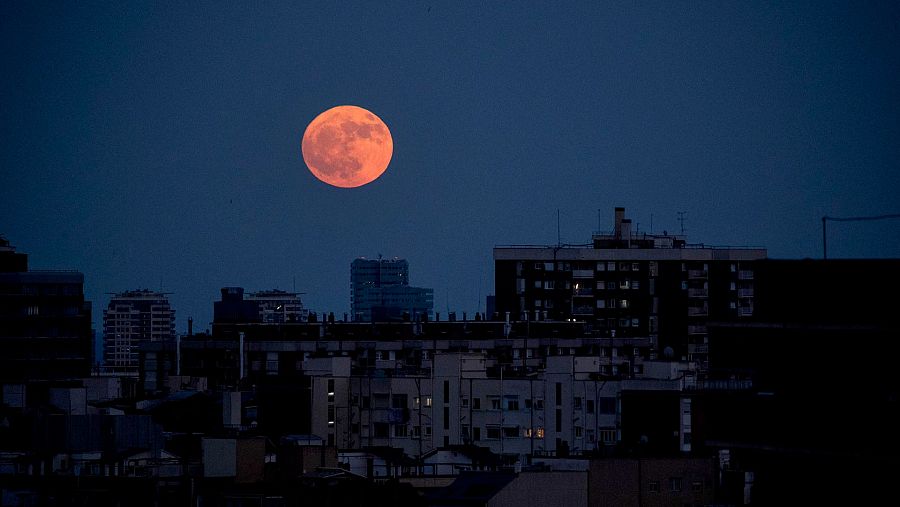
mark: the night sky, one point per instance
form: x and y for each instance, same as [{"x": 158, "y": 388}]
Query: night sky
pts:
[{"x": 158, "y": 145}]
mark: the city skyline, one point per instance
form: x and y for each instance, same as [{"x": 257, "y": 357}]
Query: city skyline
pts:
[{"x": 160, "y": 148}]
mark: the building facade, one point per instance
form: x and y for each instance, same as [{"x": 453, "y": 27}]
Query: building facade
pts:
[
  {"x": 45, "y": 323},
  {"x": 625, "y": 284},
  {"x": 131, "y": 319},
  {"x": 380, "y": 290}
]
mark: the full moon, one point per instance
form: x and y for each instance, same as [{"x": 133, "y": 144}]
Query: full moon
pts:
[{"x": 347, "y": 146}]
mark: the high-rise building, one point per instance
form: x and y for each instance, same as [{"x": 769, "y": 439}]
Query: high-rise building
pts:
[
  {"x": 630, "y": 284},
  {"x": 45, "y": 323},
  {"x": 379, "y": 290},
  {"x": 131, "y": 319},
  {"x": 264, "y": 307}
]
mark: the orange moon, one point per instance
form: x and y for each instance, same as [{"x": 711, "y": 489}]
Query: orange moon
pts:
[{"x": 347, "y": 146}]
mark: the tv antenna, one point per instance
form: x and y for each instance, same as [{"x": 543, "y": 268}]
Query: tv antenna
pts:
[{"x": 681, "y": 219}]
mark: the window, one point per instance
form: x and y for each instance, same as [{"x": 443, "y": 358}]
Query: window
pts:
[
  {"x": 476, "y": 433},
  {"x": 548, "y": 266},
  {"x": 446, "y": 391},
  {"x": 607, "y": 406},
  {"x": 549, "y": 284},
  {"x": 465, "y": 402},
  {"x": 654, "y": 486},
  {"x": 538, "y": 284},
  {"x": 476, "y": 403},
  {"x": 601, "y": 266},
  {"x": 732, "y": 286},
  {"x": 558, "y": 420},
  {"x": 512, "y": 402},
  {"x": 684, "y": 285},
  {"x": 610, "y": 285},
  {"x": 635, "y": 284},
  {"x": 401, "y": 430},
  {"x": 635, "y": 323},
  {"x": 675, "y": 484},
  {"x": 493, "y": 432},
  {"x": 577, "y": 403},
  {"x": 331, "y": 415},
  {"x": 589, "y": 406},
  {"x": 510, "y": 432},
  {"x": 427, "y": 430},
  {"x": 623, "y": 303},
  {"x": 601, "y": 303},
  {"x": 539, "y": 404},
  {"x": 548, "y": 303},
  {"x": 381, "y": 430},
  {"x": 608, "y": 436},
  {"x": 446, "y": 418},
  {"x": 494, "y": 402},
  {"x": 537, "y": 303},
  {"x": 527, "y": 403},
  {"x": 529, "y": 353},
  {"x": 538, "y": 266},
  {"x": 399, "y": 401},
  {"x": 635, "y": 266},
  {"x": 624, "y": 284},
  {"x": 697, "y": 486}
]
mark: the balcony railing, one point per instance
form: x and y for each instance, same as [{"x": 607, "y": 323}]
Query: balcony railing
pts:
[
  {"x": 745, "y": 311},
  {"x": 698, "y": 293},
  {"x": 696, "y": 329},
  {"x": 583, "y": 310},
  {"x": 745, "y": 275},
  {"x": 582, "y": 273},
  {"x": 697, "y": 273},
  {"x": 745, "y": 293},
  {"x": 698, "y": 311}
]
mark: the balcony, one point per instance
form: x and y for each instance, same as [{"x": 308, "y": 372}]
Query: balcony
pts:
[
  {"x": 696, "y": 329},
  {"x": 698, "y": 348},
  {"x": 583, "y": 310},
  {"x": 582, "y": 273},
  {"x": 698, "y": 311},
  {"x": 745, "y": 293},
  {"x": 745, "y": 311},
  {"x": 745, "y": 275},
  {"x": 698, "y": 293},
  {"x": 583, "y": 292},
  {"x": 698, "y": 274}
]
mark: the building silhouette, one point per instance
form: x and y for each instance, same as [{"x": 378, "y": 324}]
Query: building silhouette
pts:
[
  {"x": 264, "y": 307},
  {"x": 628, "y": 284},
  {"x": 131, "y": 319},
  {"x": 45, "y": 323},
  {"x": 380, "y": 291}
]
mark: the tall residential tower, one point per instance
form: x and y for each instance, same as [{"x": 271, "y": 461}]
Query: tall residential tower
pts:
[{"x": 131, "y": 319}]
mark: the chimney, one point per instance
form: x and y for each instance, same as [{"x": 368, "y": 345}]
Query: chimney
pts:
[
  {"x": 190, "y": 326},
  {"x": 620, "y": 217},
  {"x": 626, "y": 229}
]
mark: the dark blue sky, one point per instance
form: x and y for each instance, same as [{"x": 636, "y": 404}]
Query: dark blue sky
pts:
[{"x": 160, "y": 144}]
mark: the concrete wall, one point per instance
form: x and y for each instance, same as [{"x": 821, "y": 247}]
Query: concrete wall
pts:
[{"x": 550, "y": 489}]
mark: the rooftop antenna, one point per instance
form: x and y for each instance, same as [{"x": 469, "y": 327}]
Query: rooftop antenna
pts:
[
  {"x": 681, "y": 220},
  {"x": 558, "y": 241},
  {"x": 651, "y": 223},
  {"x": 295, "y": 284}
]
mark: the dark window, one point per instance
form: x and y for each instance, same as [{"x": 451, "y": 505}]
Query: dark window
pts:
[
  {"x": 398, "y": 401},
  {"x": 381, "y": 430},
  {"x": 476, "y": 403},
  {"x": 446, "y": 418},
  {"x": 446, "y": 391},
  {"x": 558, "y": 419},
  {"x": 558, "y": 394},
  {"x": 589, "y": 406},
  {"x": 493, "y": 432},
  {"x": 476, "y": 433},
  {"x": 608, "y": 406}
]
